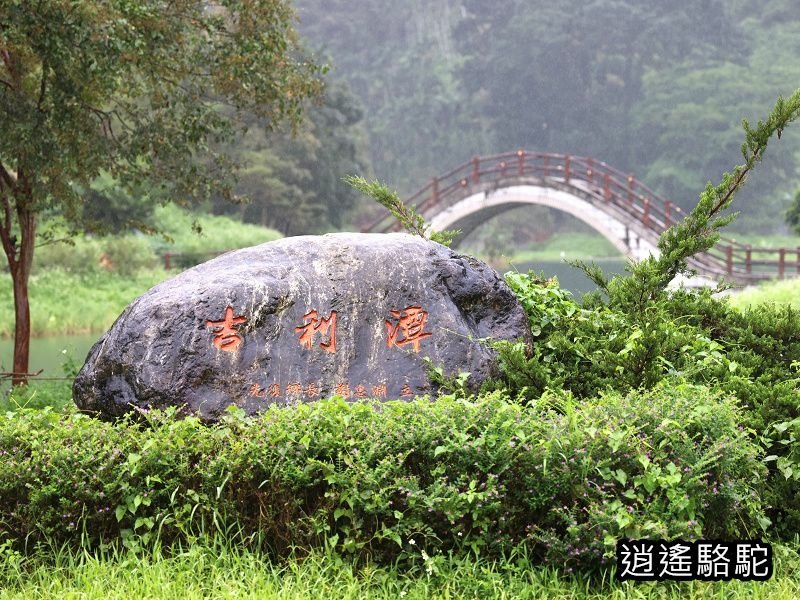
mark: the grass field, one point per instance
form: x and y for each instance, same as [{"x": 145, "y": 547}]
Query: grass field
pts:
[
  {"x": 71, "y": 292},
  {"x": 69, "y": 303},
  {"x": 225, "y": 571},
  {"x": 779, "y": 292},
  {"x": 569, "y": 246},
  {"x": 593, "y": 245}
]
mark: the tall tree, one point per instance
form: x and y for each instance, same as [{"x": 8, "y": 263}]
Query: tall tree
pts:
[
  {"x": 135, "y": 89},
  {"x": 565, "y": 76},
  {"x": 400, "y": 61},
  {"x": 292, "y": 181},
  {"x": 712, "y": 95}
]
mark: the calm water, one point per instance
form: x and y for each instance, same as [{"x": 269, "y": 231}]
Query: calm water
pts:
[{"x": 50, "y": 353}]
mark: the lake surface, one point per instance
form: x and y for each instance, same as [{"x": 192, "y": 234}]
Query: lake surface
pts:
[{"x": 50, "y": 353}]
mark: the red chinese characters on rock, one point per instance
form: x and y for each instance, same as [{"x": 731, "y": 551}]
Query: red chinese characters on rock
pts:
[
  {"x": 408, "y": 329},
  {"x": 343, "y": 390},
  {"x": 314, "y": 390},
  {"x": 256, "y": 391},
  {"x": 294, "y": 389},
  {"x": 313, "y": 323},
  {"x": 226, "y": 337}
]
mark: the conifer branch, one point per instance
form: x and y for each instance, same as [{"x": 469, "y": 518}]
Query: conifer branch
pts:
[
  {"x": 408, "y": 217},
  {"x": 697, "y": 232}
]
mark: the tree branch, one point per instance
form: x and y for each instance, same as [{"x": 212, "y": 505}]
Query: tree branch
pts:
[
  {"x": 5, "y": 224},
  {"x": 7, "y": 61},
  {"x": 740, "y": 177},
  {"x": 42, "y": 87},
  {"x": 56, "y": 241},
  {"x": 7, "y": 177},
  {"x": 105, "y": 120}
]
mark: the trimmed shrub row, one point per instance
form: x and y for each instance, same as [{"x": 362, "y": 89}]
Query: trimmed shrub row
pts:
[{"x": 395, "y": 480}]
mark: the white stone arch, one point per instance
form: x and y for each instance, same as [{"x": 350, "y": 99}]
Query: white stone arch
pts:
[{"x": 468, "y": 213}]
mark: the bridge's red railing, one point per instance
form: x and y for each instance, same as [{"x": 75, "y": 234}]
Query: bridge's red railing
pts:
[{"x": 629, "y": 199}]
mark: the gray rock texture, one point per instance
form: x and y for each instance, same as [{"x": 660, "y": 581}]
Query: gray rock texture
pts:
[{"x": 301, "y": 319}]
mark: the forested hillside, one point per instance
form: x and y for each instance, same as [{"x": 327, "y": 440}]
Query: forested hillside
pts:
[{"x": 657, "y": 89}]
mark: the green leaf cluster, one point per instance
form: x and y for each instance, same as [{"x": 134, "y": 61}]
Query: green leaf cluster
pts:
[
  {"x": 135, "y": 89},
  {"x": 684, "y": 337}
]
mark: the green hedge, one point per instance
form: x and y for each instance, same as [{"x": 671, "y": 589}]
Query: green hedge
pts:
[
  {"x": 753, "y": 356},
  {"x": 395, "y": 480}
]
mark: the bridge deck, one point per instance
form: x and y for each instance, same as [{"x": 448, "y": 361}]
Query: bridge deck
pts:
[{"x": 643, "y": 212}]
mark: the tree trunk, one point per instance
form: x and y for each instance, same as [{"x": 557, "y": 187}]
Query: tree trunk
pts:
[
  {"x": 20, "y": 275},
  {"x": 22, "y": 326}
]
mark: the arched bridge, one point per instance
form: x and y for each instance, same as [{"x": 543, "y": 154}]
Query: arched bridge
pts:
[{"x": 624, "y": 210}]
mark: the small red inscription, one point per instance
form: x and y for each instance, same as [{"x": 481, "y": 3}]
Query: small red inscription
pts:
[
  {"x": 225, "y": 335},
  {"x": 257, "y": 391},
  {"x": 294, "y": 389},
  {"x": 313, "y": 323},
  {"x": 343, "y": 390},
  {"x": 297, "y": 390},
  {"x": 409, "y": 327}
]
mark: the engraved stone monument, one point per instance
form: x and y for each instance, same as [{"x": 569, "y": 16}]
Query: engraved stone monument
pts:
[{"x": 301, "y": 319}]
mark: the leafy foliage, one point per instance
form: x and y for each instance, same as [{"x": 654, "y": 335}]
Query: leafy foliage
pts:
[
  {"x": 134, "y": 90},
  {"x": 687, "y": 336},
  {"x": 682, "y": 337},
  {"x": 403, "y": 482},
  {"x": 118, "y": 88}
]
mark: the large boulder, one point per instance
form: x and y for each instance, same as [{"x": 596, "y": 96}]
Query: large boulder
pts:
[{"x": 300, "y": 319}]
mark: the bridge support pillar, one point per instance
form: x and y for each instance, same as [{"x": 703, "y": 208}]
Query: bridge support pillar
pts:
[
  {"x": 729, "y": 259},
  {"x": 748, "y": 259}
]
